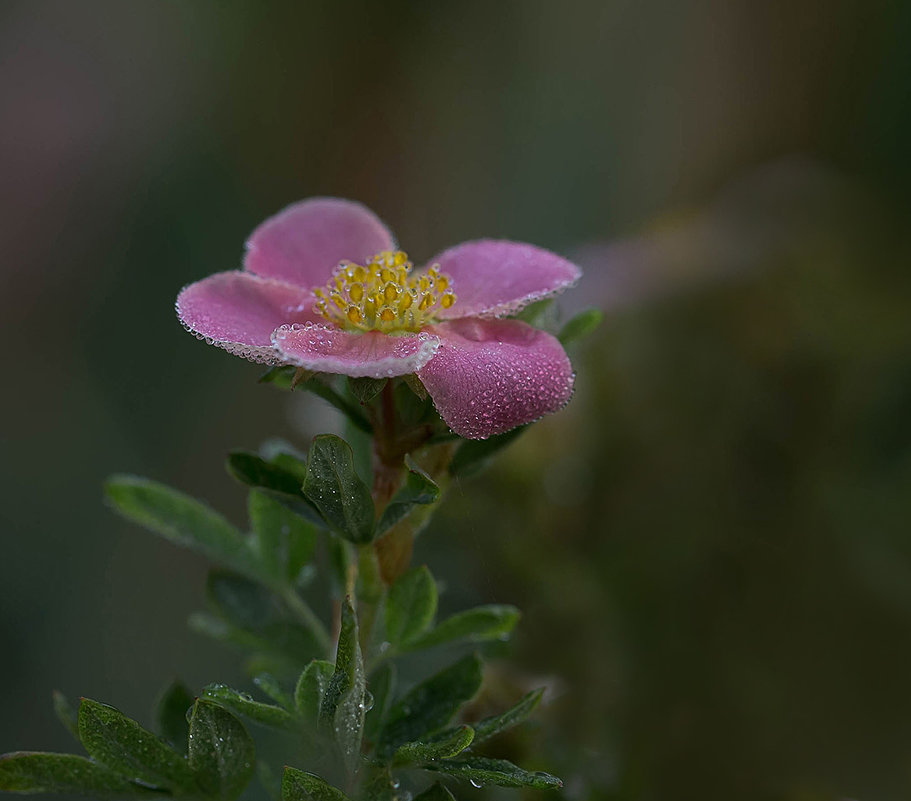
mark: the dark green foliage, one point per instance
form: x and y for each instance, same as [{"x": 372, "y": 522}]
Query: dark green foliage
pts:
[
  {"x": 277, "y": 480},
  {"x": 66, "y": 713},
  {"x": 411, "y": 605},
  {"x": 222, "y": 754},
  {"x": 34, "y": 772},
  {"x": 288, "y": 377},
  {"x": 283, "y": 540},
  {"x": 418, "y": 489},
  {"x": 259, "y": 619},
  {"x": 179, "y": 518},
  {"x": 473, "y": 455},
  {"x": 335, "y": 489},
  {"x": 480, "y": 771},
  {"x": 580, "y": 326},
  {"x": 491, "y": 622},
  {"x": 382, "y": 686},
  {"x": 171, "y": 715},
  {"x": 272, "y": 687},
  {"x": 436, "y": 792},
  {"x": 243, "y": 704},
  {"x": 310, "y": 689},
  {"x": 121, "y": 744},
  {"x": 430, "y": 705},
  {"x": 366, "y": 389},
  {"x": 297, "y": 785},
  {"x": 489, "y": 727},
  {"x": 439, "y": 748}
]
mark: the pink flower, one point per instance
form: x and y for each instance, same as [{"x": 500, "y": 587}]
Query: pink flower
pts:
[{"x": 324, "y": 288}]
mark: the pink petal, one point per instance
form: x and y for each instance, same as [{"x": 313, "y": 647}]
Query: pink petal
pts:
[
  {"x": 302, "y": 243},
  {"x": 494, "y": 277},
  {"x": 492, "y": 375},
  {"x": 239, "y": 311},
  {"x": 371, "y": 354}
]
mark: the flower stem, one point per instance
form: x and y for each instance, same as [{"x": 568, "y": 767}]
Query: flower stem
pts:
[{"x": 308, "y": 617}]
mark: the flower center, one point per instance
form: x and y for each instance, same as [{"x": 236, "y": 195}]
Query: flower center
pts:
[{"x": 383, "y": 295}]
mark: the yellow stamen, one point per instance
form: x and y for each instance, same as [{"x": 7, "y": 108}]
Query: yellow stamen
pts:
[{"x": 384, "y": 295}]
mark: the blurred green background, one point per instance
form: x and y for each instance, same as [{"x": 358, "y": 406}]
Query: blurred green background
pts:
[{"x": 710, "y": 543}]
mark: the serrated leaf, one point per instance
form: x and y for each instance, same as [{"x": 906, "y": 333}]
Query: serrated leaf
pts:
[
  {"x": 436, "y": 792},
  {"x": 438, "y": 748},
  {"x": 491, "y": 622},
  {"x": 418, "y": 490},
  {"x": 381, "y": 684},
  {"x": 411, "y": 605},
  {"x": 283, "y": 540},
  {"x": 311, "y": 687},
  {"x": 241, "y": 703},
  {"x": 516, "y": 714},
  {"x": 298, "y": 785},
  {"x": 481, "y": 770},
  {"x": 180, "y": 519},
  {"x": 222, "y": 754},
  {"x": 473, "y": 455},
  {"x": 123, "y": 745},
  {"x": 37, "y": 772},
  {"x": 366, "y": 389},
  {"x": 276, "y": 480},
  {"x": 580, "y": 326},
  {"x": 270, "y": 625},
  {"x": 171, "y": 715},
  {"x": 66, "y": 714},
  {"x": 335, "y": 489},
  {"x": 430, "y": 705},
  {"x": 342, "y": 709}
]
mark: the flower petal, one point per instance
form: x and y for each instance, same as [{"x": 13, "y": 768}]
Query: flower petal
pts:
[
  {"x": 302, "y": 243},
  {"x": 493, "y": 277},
  {"x": 371, "y": 354},
  {"x": 239, "y": 311},
  {"x": 492, "y": 375}
]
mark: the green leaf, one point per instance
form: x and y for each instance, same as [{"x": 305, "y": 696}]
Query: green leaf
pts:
[
  {"x": 66, "y": 713},
  {"x": 419, "y": 489},
  {"x": 335, "y": 489},
  {"x": 311, "y": 687},
  {"x": 123, "y": 745},
  {"x": 491, "y": 622},
  {"x": 277, "y": 481},
  {"x": 222, "y": 754},
  {"x": 415, "y": 385},
  {"x": 410, "y": 606},
  {"x": 580, "y": 326},
  {"x": 243, "y": 704},
  {"x": 436, "y": 792},
  {"x": 473, "y": 455},
  {"x": 284, "y": 541},
  {"x": 297, "y": 785},
  {"x": 366, "y": 389},
  {"x": 382, "y": 685},
  {"x": 328, "y": 394},
  {"x": 37, "y": 772},
  {"x": 267, "y": 620},
  {"x": 429, "y": 706},
  {"x": 378, "y": 784},
  {"x": 487, "y": 728},
  {"x": 342, "y": 710},
  {"x": 171, "y": 715},
  {"x": 537, "y": 313},
  {"x": 442, "y": 748},
  {"x": 179, "y": 518},
  {"x": 272, "y": 687},
  {"x": 480, "y": 771}
]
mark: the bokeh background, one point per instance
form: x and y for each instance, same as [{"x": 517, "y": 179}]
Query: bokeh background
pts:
[{"x": 711, "y": 544}]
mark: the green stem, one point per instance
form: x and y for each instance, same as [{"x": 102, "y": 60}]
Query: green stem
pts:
[{"x": 370, "y": 593}]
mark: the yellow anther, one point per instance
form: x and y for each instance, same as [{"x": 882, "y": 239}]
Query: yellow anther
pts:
[{"x": 383, "y": 295}]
